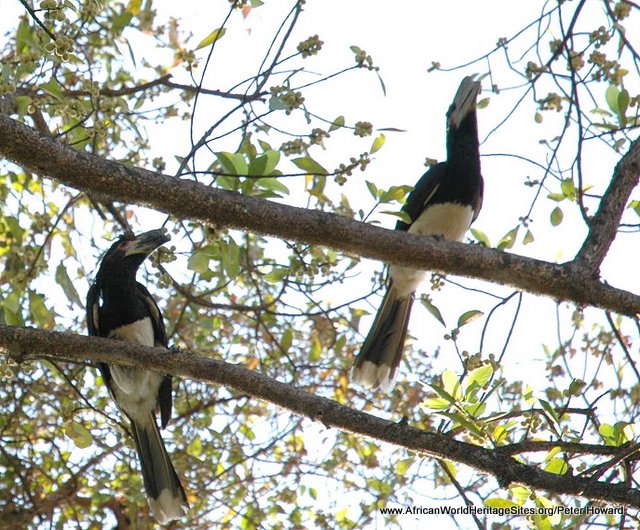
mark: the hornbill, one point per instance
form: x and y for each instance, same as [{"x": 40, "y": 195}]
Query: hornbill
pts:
[
  {"x": 121, "y": 308},
  {"x": 444, "y": 203}
]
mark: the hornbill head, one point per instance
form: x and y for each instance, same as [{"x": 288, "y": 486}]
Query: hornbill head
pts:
[
  {"x": 464, "y": 102},
  {"x": 129, "y": 251}
]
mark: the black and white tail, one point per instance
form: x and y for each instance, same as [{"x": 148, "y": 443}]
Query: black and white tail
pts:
[{"x": 377, "y": 363}]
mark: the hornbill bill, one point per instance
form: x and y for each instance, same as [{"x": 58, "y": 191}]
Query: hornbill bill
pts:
[
  {"x": 444, "y": 203},
  {"x": 121, "y": 308}
]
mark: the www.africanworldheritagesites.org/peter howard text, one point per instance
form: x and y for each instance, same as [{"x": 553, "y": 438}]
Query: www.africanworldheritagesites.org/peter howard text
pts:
[{"x": 504, "y": 511}]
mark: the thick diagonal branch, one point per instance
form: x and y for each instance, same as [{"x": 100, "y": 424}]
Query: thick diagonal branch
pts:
[
  {"x": 28, "y": 343},
  {"x": 191, "y": 200},
  {"x": 604, "y": 224}
]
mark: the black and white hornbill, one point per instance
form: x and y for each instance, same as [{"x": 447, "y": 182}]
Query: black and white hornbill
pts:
[
  {"x": 121, "y": 308},
  {"x": 444, "y": 203}
]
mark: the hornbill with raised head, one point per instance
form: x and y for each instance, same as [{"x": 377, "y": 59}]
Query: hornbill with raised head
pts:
[
  {"x": 121, "y": 308},
  {"x": 444, "y": 203}
]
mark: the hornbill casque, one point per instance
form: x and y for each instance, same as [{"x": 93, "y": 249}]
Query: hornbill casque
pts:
[
  {"x": 444, "y": 203},
  {"x": 121, "y": 308}
]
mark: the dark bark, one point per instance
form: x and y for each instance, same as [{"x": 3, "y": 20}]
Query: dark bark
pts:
[
  {"x": 191, "y": 200},
  {"x": 27, "y": 343}
]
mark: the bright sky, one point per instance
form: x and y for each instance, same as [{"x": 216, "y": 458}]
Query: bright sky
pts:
[{"x": 404, "y": 38}]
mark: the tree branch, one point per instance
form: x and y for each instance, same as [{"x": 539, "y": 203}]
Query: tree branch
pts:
[
  {"x": 604, "y": 224},
  {"x": 192, "y": 200},
  {"x": 165, "y": 80},
  {"x": 28, "y": 343}
]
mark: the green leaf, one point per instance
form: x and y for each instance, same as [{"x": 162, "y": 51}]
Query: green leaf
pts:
[
  {"x": 557, "y": 466},
  {"x": 14, "y": 227},
  {"x": 12, "y": 309},
  {"x": 528, "y": 237},
  {"x": 23, "y": 36},
  {"x": 195, "y": 448},
  {"x": 273, "y": 184},
  {"x": 373, "y": 189},
  {"x": 133, "y": 6},
  {"x": 390, "y": 129},
  {"x": 276, "y": 275},
  {"x": 552, "y": 453},
  {"x": 276, "y": 103},
  {"x": 556, "y": 197},
  {"x": 483, "y": 103},
  {"x": 465, "y": 422},
  {"x": 287, "y": 339},
  {"x": 608, "y": 433},
  {"x": 309, "y": 165},
  {"x": 611, "y": 95},
  {"x": 400, "y": 214},
  {"x": 377, "y": 143},
  {"x": 395, "y": 193},
  {"x": 79, "y": 434},
  {"x": 337, "y": 123},
  {"x": 556, "y": 216},
  {"x": 265, "y": 163},
  {"x": 22, "y": 102},
  {"x": 437, "y": 403},
  {"x": 475, "y": 410},
  {"x": 568, "y": 189},
  {"x": 520, "y": 494},
  {"x": 509, "y": 239},
  {"x": 233, "y": 163},
  {"x": 495, "y": 502},
  {"x": 120, "y": 21},
  {"x": 451, "y": 383},
  {"x": 469, "y": 316},
  {"x": 264, "y": 145},
  {"x": 432, "y": 309},
  {"x": 40, "y": 314},
  {"x": 316, "y": 350},
  {"x": 623, "y": 104},
  {"x": 199, "y": 260},
  {"x": 404, "y": 465},
  {"x": 230, "y": 257},
  {"x": 481, "y": 237},
  {"x": 52, "y": 87},
  {"x": 634, "y": 205},
  {"x": 575, "y": 388},
  {"x": 549, "y": 410},
  {"x": 479, "y": 376},
  {"x": 382, "y": 85},
  {"x": 63, "y": 280},
  {"x": 216, "y": 34}
]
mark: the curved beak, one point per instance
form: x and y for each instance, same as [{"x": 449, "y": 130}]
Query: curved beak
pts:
[
  {"x": 464, "y": 102},
  {"x": 147, "y": 242}
]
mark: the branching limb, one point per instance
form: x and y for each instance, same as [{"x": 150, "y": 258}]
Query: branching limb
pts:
[
  {"x": 27, "y": 343},
  {"x": 192, "y": 200}
]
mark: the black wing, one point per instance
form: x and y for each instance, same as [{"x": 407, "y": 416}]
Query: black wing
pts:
[
  {"x": 159, "y": 332},
  {"x": 160, "y": 335},
  {"x": 93, "y": 310},
  {"x": 423, "y": 193},
  {"x": 93, "y": 326}
]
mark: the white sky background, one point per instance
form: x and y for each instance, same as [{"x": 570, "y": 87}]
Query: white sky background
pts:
[{"x": 403, "y": 39}]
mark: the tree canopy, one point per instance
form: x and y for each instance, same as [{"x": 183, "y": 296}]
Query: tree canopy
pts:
[{"x": 520, "y": 383}]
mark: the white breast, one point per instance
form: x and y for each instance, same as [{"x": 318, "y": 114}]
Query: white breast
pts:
[
  {"x": 135, "y": 391},
  {"x": 449, "y": 221}
]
